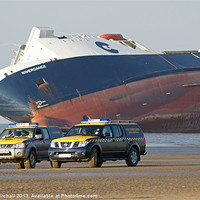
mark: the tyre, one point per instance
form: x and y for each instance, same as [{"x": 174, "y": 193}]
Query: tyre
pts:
[
  {"x": 31, "y": 162},
  {"x": 55, "y": 164},
  {"x": 132, "y": 159},
  {"x": 19, "y": 165},
  {"x": 93, "y": 158}
]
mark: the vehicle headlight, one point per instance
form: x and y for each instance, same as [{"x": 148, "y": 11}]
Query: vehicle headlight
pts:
[
  {"x": 52, "y": 145},
  {"x": 83, "y": 143},
  {"x": 20, "y": 145}
]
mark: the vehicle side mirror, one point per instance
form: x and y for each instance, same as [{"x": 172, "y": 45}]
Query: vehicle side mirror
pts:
[{"x": 38, "y": 136}]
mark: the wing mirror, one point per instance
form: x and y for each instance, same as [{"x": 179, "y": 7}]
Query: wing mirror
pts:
[{"x": 38, "y": 137}]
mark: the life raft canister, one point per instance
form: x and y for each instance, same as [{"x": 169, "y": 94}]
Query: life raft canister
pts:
[{"x": 112, "y": 36}]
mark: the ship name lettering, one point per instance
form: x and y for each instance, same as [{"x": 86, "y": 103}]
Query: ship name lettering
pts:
[{"x": 34, "y": 69}]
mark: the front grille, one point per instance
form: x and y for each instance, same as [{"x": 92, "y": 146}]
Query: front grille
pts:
[
  {"x": 5, "y": 154},
  {"x": 4, "y": 146},
  {"x": 65, "y": 144}
]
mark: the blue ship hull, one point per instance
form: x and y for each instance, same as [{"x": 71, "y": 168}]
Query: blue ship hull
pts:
[{"x": 28, "y": 94}]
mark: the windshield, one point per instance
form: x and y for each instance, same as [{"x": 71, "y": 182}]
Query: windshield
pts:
[
  {"x": 93, "y": 130},
  {"x": 17, "y": 133}
]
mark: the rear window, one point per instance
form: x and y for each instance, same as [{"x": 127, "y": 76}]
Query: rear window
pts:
[
  {"x": 117, "y": 131},
  {"x": 132, "y": 129},
  {"x": 55, "y": 132},
  {"x": 45, "y": 134}
]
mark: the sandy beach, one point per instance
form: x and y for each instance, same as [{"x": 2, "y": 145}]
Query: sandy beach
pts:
[{"x": 157, "y": 176}]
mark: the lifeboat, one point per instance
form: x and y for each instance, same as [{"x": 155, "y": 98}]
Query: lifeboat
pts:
[{"x": 112, "y": 36}]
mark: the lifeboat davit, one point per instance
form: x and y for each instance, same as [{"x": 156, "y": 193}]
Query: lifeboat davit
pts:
[{"x": 112, "y": 36}]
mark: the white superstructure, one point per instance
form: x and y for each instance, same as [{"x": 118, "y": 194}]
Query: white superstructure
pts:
[{"x": 43, "y": 46}]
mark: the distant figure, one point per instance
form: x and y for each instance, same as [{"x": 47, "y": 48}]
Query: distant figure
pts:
[
  {"x": 30, "y": 134},
  {"x": 84, "y": 132},
  {"x": 86, "y": 117},
  {"x": 15, "y": 134}
]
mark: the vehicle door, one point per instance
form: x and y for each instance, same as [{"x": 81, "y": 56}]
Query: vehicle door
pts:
[
  {"x": 119, "y": 141},
  {"x": 107, "y": 144},
  {"x": 42, "y": 141},
  {"x": 46, "y": 142}
]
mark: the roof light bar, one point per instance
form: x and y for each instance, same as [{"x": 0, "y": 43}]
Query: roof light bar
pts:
[
  {"x": 90, "y": 121},
  {"x": 23, "y": 124}
]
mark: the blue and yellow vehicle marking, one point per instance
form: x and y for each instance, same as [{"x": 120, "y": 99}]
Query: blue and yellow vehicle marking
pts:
[
  {"x": 84, "y": 138},
  {"x": 117, "y": 139}
]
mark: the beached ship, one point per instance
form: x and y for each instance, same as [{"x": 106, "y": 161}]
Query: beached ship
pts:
[{"x": 60, "y": 80}]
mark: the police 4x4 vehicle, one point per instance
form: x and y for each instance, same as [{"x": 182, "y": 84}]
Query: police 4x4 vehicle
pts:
[
  {"x": 26, "y": 143},
  {"x": 98, "y": 140}
]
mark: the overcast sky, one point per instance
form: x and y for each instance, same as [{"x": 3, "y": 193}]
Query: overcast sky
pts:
[{"x": 158, "y": 25}]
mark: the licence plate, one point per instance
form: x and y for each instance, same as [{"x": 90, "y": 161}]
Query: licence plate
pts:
[
  {"x": 66, "y": 155},
  {"x": 4, "y": 151}
]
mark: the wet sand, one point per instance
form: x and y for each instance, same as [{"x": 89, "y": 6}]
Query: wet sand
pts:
[{"x": 157, "y": 176}]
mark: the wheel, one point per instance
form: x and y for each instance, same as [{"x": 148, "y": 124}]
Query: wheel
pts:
[
  {"x": 31, "y": 162},
  {"x": 132, "y": 159},
  {"x": 93, "y": 158},
  {"x": 19, "y": 165},
  {"x": 55, "y": 164}
]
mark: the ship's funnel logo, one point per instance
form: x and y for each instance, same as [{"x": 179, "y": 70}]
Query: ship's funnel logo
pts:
[{"x": 106, "y": 47}]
